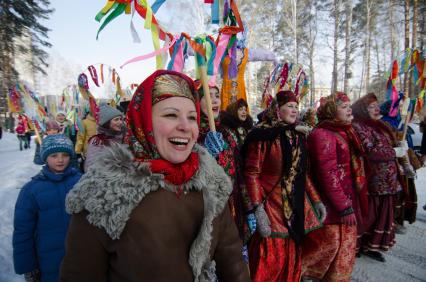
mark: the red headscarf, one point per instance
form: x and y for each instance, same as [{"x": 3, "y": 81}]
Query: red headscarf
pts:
[
  {"x": 140, "y": 137},
  {"x": 283, "y": 97}
]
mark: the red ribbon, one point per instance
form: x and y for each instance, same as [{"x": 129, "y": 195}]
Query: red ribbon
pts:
[
  {"x": 93, "y": 74},
  {"x": 284, "y": 75}
]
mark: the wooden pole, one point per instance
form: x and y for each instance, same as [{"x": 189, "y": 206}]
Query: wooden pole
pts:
[
  {"x": 40, "y": 141},
  {"x": 206, "y": 90},
  {"x": 405, "y": 113}
]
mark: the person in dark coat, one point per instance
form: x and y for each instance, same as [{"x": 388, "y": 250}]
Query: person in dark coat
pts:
[
  {"x": 154, "y": 208},
  {"x": 40, "y": 222},
  {"x": 423, "y": 146}
]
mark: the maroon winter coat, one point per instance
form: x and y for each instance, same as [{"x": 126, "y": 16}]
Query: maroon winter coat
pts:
[
  {"x": 331, "y": 168},
  {"x": 381, "y": 158}
]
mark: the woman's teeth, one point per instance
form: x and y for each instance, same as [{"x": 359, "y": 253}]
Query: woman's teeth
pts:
[{"x": 179, "y": 141}]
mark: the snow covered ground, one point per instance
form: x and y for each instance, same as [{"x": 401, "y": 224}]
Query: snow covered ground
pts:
[{"x": 405, "y": 262}]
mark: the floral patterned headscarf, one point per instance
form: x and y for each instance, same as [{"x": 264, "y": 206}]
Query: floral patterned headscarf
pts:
[{"x": 160, "y": 85}]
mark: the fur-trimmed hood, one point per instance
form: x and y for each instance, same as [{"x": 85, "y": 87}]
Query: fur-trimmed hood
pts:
[{"x": 116, "y": 184}]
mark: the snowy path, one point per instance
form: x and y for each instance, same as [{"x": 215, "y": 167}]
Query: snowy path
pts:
[{"x": 405, "y": 262}]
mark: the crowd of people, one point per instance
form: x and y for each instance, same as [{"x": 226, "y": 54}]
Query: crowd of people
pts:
[{"x": 162, "y": 197}]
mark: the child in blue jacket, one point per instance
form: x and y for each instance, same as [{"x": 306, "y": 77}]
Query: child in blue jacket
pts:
[{"x": 41, "y": 222}]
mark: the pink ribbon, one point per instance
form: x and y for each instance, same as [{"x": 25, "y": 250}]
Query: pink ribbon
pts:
[
  {"x": 220, "y": 50},
  {"x": 150, "y": 55},
  {"x": 394, "y": 110},
  {"x": 179, "y": 61}
]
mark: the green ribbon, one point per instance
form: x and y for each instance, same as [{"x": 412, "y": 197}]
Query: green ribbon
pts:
[{"x": 118, "y": 10}]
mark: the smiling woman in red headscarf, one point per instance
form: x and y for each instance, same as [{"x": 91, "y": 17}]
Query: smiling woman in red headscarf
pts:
[{"x": 157, "y": 209}]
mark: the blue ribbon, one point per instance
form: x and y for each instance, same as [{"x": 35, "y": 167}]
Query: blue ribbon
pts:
[
  {"x": 175, "y": 50},
  {"x": 157, "y": 4},
  {"x": 215, "y": 12},
  {"x": 415, "y": 74},
  {"x": 210, "y": 63},
  {"x": 200, "y": 59}
]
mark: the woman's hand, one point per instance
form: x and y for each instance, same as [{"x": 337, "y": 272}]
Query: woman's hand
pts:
[
  {"x": 321, "y": 211},
  {"x": 304, "y": 129},
  {"x": 400, "y": 151},
  {"x": 349, "y": 219},
  {"x": 214, "y": 143},
  {"x": 263, "y": 223},
  {"x": 251, "y": 222}
]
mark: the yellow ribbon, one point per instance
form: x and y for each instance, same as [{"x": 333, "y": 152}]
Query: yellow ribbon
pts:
[
  {"x": 107, "y": 6},
  {"x": 407, "y": 59},
  {"x": 154, "y": 31}
]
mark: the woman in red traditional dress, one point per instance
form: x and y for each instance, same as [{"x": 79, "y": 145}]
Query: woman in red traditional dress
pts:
[
  {"x": 383, "y": 176},
  {"x": 335, "y": 152},
  {"x": 275, "y": 176}
]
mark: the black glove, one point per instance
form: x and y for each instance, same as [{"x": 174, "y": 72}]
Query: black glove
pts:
[{"x": 33, "y": 276}]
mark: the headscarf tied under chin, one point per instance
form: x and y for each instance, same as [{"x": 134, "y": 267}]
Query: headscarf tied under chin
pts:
[{"x": 160, "y": 85}]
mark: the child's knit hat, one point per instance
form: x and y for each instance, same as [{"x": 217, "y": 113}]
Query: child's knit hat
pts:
[{"x": 56, "y": 143}]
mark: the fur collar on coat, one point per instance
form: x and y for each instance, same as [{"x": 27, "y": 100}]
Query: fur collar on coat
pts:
[{"x": 115, "y": 185}]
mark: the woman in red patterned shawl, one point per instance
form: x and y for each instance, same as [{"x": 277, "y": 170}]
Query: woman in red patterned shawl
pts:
[
  {"x": 383, "y": 184},
  {"x": 335, "y": 152},
  {"x": 275, "y": 176}
]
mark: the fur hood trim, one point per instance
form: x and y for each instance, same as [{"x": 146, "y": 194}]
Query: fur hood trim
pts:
[{"x": 115, "y": 185}]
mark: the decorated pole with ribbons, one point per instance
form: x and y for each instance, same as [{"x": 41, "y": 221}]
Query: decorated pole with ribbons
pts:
[
  {"x": 209, "y": 53},
  {"x": 100, "y": 82},
  {"x": 286, "y": 76},
  {"x": 23, "y": 101},
  {"x": 411, "y": 60},
  {"x": 206, "y": 90}
]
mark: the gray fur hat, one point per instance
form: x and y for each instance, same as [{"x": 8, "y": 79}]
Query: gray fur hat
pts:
[{"x": 107, "y": 113}]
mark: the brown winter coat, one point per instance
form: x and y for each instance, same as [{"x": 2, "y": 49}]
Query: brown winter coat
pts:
[{"x": 128, "y": 225}]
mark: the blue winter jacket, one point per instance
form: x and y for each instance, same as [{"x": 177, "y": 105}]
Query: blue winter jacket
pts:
[{"x": 41, "y": 223}]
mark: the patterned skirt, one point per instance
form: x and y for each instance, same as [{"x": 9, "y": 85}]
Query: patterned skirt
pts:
[
  {"x": 274, "y": 259},
  {"x": 380, "y": 227},
  {"x": 329, "y": 253}
]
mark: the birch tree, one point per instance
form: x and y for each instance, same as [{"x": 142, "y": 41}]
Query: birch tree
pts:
[{"x": 348, "y": 29}]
